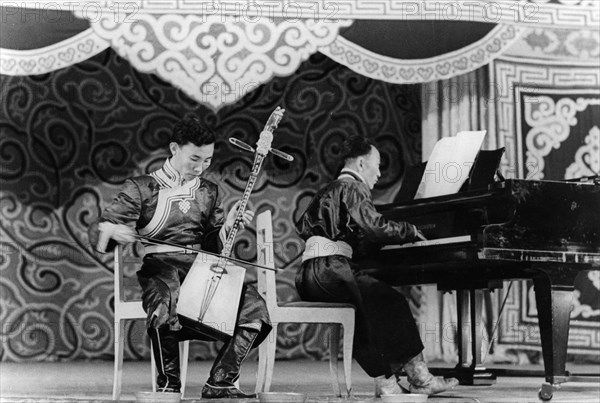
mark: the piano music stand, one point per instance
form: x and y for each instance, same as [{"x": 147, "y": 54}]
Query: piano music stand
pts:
[
  {"x": 410, "y": 183},
  {"x": 484, "y": 169},
  {"x": 481, "y": 175}
]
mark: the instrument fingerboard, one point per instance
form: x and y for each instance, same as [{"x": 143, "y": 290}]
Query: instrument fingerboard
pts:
[{"x": 228, "y": 247}]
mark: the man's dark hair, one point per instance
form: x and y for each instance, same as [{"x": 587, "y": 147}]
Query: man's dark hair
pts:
[
  {"x": 191, "y": 130},
  {"x": 356, "y": 146}
]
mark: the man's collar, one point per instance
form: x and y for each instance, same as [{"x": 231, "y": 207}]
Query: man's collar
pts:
[
  {"x": 352, "y": 173},
  {"x": 172, "y": 174},
  {"x": 167, "y": 176}
]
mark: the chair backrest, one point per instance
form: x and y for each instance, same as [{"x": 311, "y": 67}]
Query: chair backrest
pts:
[
  {"x": 124, "y": 255},
  {"x": 118, "y": 274},
  {"x": 267, "y": 285}
]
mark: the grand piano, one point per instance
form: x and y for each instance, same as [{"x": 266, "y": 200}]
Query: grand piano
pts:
[{"x": 547, "y": 231}]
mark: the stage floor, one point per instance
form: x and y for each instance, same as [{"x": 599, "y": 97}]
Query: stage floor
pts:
[{"x": 92, "y": 382}]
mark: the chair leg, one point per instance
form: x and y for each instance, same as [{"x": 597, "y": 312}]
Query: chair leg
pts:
[
  {"x": 152, "y": 368},
  {"x": 270, "y": 359},
  {"x": 348, "y": 346},
  {"x": 334, "y": 348},
  {"x": 118, "y": 372},
  {"x": 262, "y": 366},
  {"x": 184, "y": 352}
]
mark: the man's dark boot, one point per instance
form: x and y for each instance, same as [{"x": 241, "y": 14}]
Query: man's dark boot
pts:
[
  {"x": 165, "y": 348},
  {"x": 226, "y": 369}
]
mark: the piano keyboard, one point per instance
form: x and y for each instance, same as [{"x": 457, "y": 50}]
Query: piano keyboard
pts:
[{"x": 430, "y": 242}]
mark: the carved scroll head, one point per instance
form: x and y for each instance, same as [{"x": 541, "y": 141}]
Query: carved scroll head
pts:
[{"x": 266, "y": 136}]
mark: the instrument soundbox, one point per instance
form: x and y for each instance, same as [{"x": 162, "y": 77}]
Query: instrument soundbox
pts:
[
  {"x": 216, "y": 318},
  {"x": 209, "y": 298}
]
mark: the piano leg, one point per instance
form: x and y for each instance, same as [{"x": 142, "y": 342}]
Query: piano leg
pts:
[
  {"x": 470, "y": 305},
  {"x": 554, "y": 299}
]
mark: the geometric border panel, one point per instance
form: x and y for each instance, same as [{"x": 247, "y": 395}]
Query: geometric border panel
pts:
[
  {"x": 551, "y": 124},
  {"x": 518, "y": 327},
  {"x": 511, "y": 76},
  {"x": 532, "y": 13}
]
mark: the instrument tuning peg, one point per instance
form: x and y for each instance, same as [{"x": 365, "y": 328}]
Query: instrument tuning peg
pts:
[
  {"x": 241, "y": 144},
  {"x": 281, "y": 154}
]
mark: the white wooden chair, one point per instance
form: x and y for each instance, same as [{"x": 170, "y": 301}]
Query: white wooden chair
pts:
[
  {"x": 127, "y": 310},
  {"x": 339, "y": 315}
]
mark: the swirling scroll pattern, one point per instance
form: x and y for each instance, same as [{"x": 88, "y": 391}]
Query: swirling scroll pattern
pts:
[
  {"x": 587, "y": 158},
  {"x": 550, "y": 124},
  {"x": 71, "y": 137},
  {"x": 225, "y": 60}
]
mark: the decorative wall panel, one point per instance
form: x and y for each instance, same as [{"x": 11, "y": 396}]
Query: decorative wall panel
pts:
[
  {"x": 548, "y": 119},
  {"x": 70, "y": 138},
  {"x": 512, "y": 73}
]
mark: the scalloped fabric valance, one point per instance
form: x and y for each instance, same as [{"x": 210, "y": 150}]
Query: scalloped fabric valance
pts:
[{"x": 217, "y": 52}]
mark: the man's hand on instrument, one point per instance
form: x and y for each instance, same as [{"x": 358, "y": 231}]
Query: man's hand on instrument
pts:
[
  {"x": 119, "y": 232},
  {"x": 247, "y": 217}
]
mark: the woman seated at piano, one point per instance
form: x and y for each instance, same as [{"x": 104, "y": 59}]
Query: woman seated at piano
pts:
[{"x": 341, "y": 226}]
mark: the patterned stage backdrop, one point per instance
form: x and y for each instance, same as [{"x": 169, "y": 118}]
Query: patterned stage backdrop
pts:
[
  {"x": 555, "y": 135},
  {"x": 68, "y": 139}
]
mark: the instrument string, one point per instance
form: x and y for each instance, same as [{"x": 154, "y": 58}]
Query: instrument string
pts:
[
  {"x": 205, "y": 302},
  {"x": 167, "y": 243}
]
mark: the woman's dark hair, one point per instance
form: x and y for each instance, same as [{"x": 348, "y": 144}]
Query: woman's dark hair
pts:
[
  {"x": 191, "y": 130},
  {"x": 356, "y": 146}
]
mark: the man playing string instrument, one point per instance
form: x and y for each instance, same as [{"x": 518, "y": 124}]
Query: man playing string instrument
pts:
[
  {"x": 341, "y": 227},
  {"x": 174, "y": 204}
]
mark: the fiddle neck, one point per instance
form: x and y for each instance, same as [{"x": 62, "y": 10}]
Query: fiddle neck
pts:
[
  {"x": 228, "y": 246},
  {"x": 263, "y": 146}
]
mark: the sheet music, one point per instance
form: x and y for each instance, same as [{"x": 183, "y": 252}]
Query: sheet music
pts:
[{"x": 449, "y": 164}]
